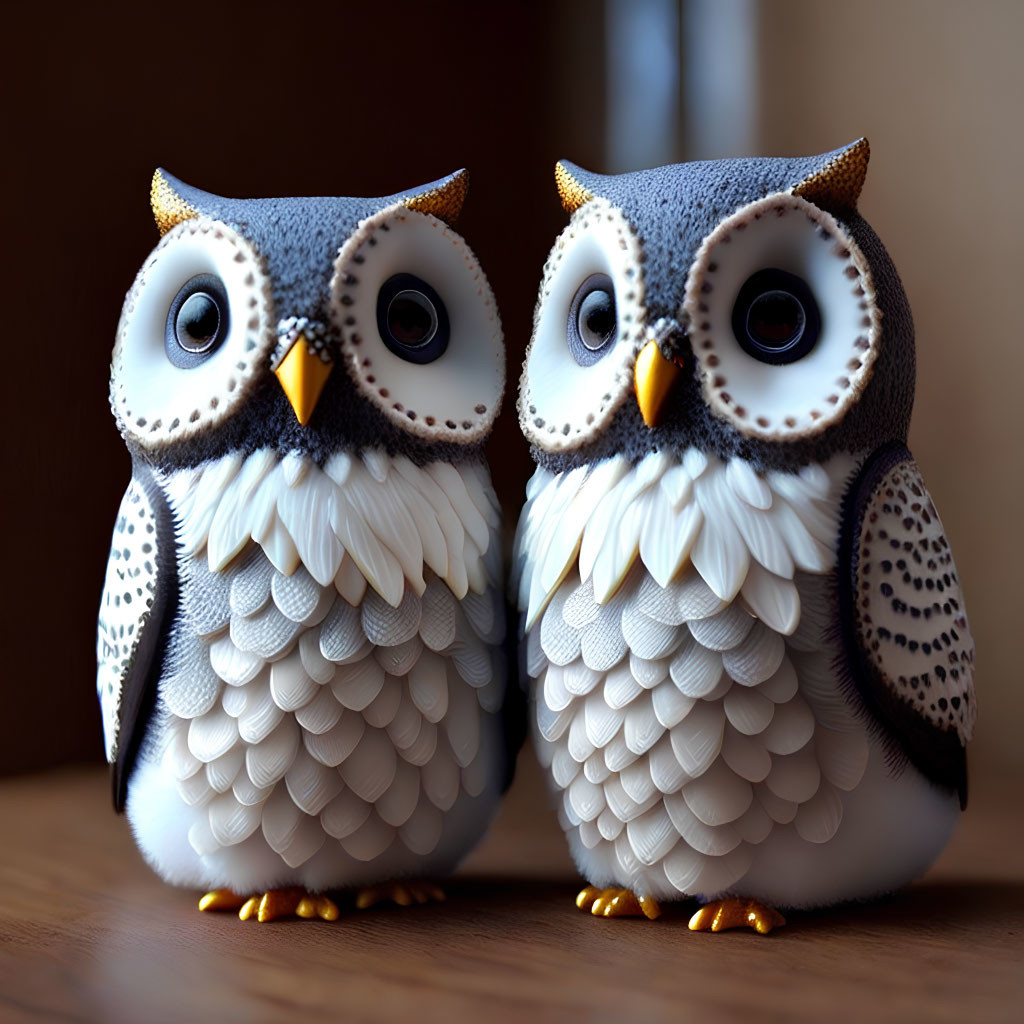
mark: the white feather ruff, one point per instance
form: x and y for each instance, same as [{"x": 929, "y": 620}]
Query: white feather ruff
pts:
[
  {"x": 315, "y": 731},
  {"x": 745, "y": 533},
  {"x": 676, "y": 618},
  {"x": 389, "y": 518}
]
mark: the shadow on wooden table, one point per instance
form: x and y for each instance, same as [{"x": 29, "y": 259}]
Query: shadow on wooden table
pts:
[
  {"x": 925, "y": 907},
  {"x": 88, "y": 932},
  {"x": 509, "y": 949}
]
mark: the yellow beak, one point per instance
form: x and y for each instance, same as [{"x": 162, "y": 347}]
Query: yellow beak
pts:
[
  {"x": 653, "y": 377},
  {"x": 303, "y": 374}
]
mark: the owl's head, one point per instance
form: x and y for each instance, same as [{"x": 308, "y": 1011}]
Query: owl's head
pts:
[
  {"x": 740, "y": 306},
  {"x": 307, "y": 324}
]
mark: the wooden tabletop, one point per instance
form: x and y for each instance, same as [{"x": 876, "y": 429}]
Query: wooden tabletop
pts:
[{"x": 87, "y": 933}]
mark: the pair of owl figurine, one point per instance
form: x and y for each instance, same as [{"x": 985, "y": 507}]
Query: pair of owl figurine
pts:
[{"x": 748, "y": 664}]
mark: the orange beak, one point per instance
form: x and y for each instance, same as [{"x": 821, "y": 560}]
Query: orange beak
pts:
[
  {"x": 654, "y": 376},
  {"x": 303, "y": 374}
]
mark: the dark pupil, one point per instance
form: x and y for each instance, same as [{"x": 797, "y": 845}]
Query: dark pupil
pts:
[
  {"x": 775, "y": 319},
  {"x": 597, "y": 319},
  {"x": 197, "y": 322},
  {"x": 410, "y": 319}
]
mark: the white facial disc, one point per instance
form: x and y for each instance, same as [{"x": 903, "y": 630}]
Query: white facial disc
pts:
[
  {"x": 155, "y": 401},
  {"x": 562, "y": 404},
  {"x": 795, "y": 399},
  {"x": 456, "y": 396}
]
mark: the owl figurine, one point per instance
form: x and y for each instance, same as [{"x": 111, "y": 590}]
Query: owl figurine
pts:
[
  {"x": 750, "y": 662},
  {"x": 301, "y": 669}
]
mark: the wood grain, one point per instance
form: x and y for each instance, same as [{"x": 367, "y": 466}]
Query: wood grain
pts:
[{"x": 87, "y": 933}]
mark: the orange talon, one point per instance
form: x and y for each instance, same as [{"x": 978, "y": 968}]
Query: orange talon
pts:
[
  {"x": 617, "y": 903},
  {"x": 290, "y": 902},
  {"x": 718, "y": 915},
  {"x": 221, "y": 899}
]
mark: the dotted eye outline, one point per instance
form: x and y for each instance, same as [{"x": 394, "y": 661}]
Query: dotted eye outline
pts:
[
  {"x": 845, "y": 389},
  {"x": 626, "y": 259},
  {"x": 345, "y": 282},
  {"x": 237, "y": 380}
]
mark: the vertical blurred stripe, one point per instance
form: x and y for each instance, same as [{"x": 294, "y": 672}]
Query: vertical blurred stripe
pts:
[
  {"x": 681, "y": 81},
  {"x": 720, "y": 77},
  {"x": 642, "y": 113}
]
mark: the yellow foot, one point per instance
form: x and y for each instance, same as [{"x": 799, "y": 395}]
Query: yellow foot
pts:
[
  {"x": 617, "y": 903},
  {"x": 405, "y": 894},
  {"x": 221, "y": 899},
  {"x": 718, "y": 915},
  {"x": 272, "y": 904}
]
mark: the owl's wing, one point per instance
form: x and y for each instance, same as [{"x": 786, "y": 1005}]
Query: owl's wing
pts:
[
  {"x": 135, "y": 610},
  {"x": 905, "y": 632}
]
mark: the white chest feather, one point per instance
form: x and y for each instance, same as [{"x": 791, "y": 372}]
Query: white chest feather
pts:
[
  {"x": 676, "y": 620},
  {"x": 334, "y": 678}
]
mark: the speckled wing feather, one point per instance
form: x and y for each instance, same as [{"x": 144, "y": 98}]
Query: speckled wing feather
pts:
[
  {"x": 905, "y": 628},
  {"x": 138, "y": 601}
]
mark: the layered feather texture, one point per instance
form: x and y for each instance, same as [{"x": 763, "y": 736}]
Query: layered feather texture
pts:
[
  {"x": 338, "y": 658},
  {"x": 376, "y": 520},
  {"x": 686, "y": 701},
  {"x": 746, "y": 534}
]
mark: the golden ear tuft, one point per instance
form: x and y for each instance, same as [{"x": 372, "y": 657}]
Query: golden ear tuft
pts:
[
  {"x": 837, "y": 185},
  {"x": 445, "y": 200},
  {"x": 570, "y": 191},
  {"x": 169, "y": 208}
]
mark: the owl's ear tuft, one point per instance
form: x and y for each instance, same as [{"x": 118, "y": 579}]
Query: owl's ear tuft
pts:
[
  {"x": 836, "y": 185},
  {"x": 571, "y": 189},
  {"x": 169, "y": 208},
  {"x": 442, "y": 198}
]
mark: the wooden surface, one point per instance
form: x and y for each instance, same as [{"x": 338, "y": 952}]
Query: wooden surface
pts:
[{"x": 87, "y": 932}]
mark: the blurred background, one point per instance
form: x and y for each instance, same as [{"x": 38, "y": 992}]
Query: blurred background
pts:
[{"x": 263, "y": 99}]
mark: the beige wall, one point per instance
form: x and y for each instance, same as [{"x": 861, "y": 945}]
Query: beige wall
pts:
[{"x": 938, "y": 88}]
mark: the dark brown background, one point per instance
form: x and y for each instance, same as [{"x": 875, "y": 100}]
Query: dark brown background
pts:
[{"x": 258, "y": 99}]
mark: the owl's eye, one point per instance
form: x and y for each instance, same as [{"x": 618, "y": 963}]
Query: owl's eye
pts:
[
  {"x": 195, "y": 335},
  {"x": 593, "y": 324},
  {"x": 587, "y": 330},
  {"x": 782, "y": 318},
  {"x": 412, "y": 319},
  {"x": 434, "y": 367},
  {"x": 775, "y": 318},
  {"x": 197, "y": 321}
]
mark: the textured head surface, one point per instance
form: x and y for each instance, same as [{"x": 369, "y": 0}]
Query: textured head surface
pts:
[
  {"x": 672, "y": 211},
  {"x": 305, "y": 269},
  {"x": 298, "y": 237}
]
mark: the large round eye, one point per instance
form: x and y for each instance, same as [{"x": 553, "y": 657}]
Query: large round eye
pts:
[
  {"x": 412, "y": 319},
  {"x": 195, "y": 335},
  {"x": 197, "y": 322},
  {"x": 775, "y": 318},
  {"x": 420, "y": 334},
  {"x": 588, "y": 328},
  {"x": 592, "y": 323},
  {"x": 782, "y": 319}
]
